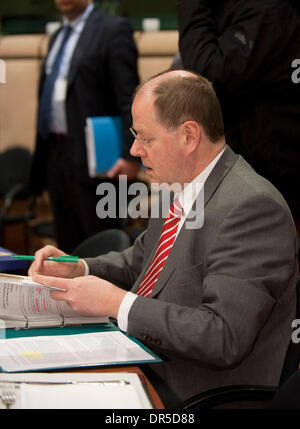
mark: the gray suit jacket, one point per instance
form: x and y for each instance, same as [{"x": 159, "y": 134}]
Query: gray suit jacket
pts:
[{"x": 221, "y": 310}]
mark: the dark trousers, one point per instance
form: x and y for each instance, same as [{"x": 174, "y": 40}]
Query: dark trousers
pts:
[{"x": 73, "y": 197}]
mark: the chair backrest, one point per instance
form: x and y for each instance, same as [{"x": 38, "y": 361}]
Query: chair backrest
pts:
[
  {"x": 15, "y": 165},
  {"x": 288, "y": 396},
  {"x": 103, "y": 242}
]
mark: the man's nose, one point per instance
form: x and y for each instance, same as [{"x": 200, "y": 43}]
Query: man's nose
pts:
[{"x": 137, "y": 149}]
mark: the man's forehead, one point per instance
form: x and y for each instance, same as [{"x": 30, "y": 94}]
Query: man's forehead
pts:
[
  {"x": 143, "y": 112},
  {"x": 144, "y": 95}
]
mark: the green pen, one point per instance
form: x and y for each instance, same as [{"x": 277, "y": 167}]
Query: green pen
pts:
[{"x": 51, "y": 258}]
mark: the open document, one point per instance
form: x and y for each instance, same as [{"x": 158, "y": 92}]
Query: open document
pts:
[
  {"x": 26, "y": 304},
  {"x": 67, "y": 351},
  {"x": 75, "y": 391}
]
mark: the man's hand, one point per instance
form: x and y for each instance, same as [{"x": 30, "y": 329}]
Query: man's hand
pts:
[
  {"x": 88, "y": 295},
  {"x": 127, "y": 167},
  {"x": 56, "y": 269}
]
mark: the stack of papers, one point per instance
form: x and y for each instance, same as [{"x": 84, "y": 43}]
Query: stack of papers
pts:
[
  {"x": 67, "y": 351},
  {"x": 27, "y": 304}
]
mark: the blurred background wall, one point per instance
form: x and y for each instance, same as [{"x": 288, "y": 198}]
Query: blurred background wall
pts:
[{"x": 30, "y": 16}]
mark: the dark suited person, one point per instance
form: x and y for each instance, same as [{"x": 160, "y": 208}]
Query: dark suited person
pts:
[
  {"x": 214, "y": 295},
  {"x": 90, "y": 70},
  {"x": 246, "y": 48}
]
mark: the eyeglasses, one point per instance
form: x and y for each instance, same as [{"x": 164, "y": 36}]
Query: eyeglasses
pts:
[
  {"x": 145, "y": 141},
  {"x": 142, "y": 141}
]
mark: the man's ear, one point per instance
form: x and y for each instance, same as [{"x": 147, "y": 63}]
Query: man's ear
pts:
[{"x": 192, "y": 133}]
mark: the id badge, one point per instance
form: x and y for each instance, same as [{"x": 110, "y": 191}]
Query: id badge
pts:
[{"x": 60, "y": 90}]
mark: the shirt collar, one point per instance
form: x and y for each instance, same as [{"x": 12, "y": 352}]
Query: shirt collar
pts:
[
  {"x": 189, "y": 193},
  {"x": 81, "y": 18}
]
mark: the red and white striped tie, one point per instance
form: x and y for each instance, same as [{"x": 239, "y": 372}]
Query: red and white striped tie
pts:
[{"x": 164, "y": 246}]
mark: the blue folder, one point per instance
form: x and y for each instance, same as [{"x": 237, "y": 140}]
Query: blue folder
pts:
[
  {"x": 104, "y": 142},
  {"x": 8, "y": 263}
]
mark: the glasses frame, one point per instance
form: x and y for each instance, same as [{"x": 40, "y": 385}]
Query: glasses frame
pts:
[
  {"x": 142, "y": 141},
  {"x": 145, "y": 141}
]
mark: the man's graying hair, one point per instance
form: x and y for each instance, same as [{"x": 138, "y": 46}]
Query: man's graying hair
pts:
[{"x": 188, "y": 98}]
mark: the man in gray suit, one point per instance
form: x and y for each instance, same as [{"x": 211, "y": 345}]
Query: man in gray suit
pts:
[{"x": 221, "y": 308}]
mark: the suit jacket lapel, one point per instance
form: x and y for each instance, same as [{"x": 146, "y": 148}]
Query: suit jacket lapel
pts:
[
  {"x": 153, "y": 233},
  {"x": 154, "y": 238},
  {"x": 215, "y": 178},
  {"x": 82, "y": 44},
  {"x": 220, "y": 170}
]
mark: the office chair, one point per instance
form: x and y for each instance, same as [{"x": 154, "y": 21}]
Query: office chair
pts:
[
  {"x": 38, "y": 225},
  {"x": 15, "y": 164},
  {"x": 103, "y": 242},
  {"x": 288, "y": 395},
  {"x": 289, "y": 381}
]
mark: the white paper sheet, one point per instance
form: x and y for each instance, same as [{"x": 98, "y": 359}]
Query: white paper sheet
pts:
[
  {"x": 78, "y": 396},
  {"x": 63, "y": 351}
]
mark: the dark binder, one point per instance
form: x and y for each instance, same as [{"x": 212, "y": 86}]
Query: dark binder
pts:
[{"x": 8, "y": 263}]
